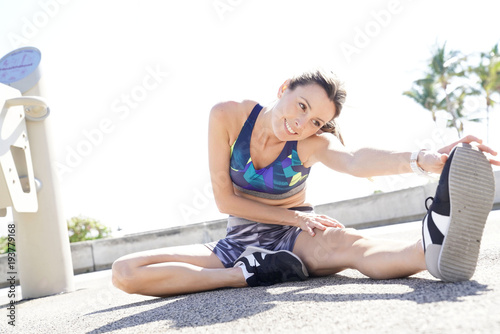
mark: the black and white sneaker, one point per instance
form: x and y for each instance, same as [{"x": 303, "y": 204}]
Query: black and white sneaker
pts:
[
  {"x": 453, "y": 226},
  {"x": 262, "y": 267}
]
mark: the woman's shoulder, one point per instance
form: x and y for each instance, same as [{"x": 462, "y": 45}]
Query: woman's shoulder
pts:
[
  {"x": 310, "y": 147},
  {"x": 228, "y": 117},
  {"x": 232, "y": 107},
  {"x": 232, "y": 112}
]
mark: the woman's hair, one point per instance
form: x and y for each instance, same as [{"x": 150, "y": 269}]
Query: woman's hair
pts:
[{"x": 334, "y": 89}]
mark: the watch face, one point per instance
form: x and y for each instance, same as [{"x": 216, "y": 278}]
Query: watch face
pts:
[{"x": 19, "y": 64}]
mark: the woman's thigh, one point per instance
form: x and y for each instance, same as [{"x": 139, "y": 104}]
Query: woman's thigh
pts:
[
  {"x": 329, "y": 251},
  {"x": 198, "y": 255}
]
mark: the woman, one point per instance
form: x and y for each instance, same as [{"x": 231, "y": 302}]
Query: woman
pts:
[{"x": 259, "y": 159}]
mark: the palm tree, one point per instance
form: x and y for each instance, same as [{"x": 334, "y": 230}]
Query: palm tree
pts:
[
  {"x": 488, "y": 73},
  {"x": 423, "y": 93},
  {"x": 459, "y": 95},
  {"x": 445, "y": 67},
  {"x": 438, "y": 90}
]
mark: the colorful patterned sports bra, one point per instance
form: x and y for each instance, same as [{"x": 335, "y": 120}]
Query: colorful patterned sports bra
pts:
[{"x": 283, "y": 178}]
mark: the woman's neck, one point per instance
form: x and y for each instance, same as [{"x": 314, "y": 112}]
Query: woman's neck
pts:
[{"x": 263, "y": 130}]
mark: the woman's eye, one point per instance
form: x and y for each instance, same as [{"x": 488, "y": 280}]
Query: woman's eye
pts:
[
  {"x": 316, "y": 123},
  {"x": 302, "y": 106}
]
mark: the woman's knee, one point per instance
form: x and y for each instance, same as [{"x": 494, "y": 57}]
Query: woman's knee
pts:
[
  {"x": 123, "y": 274},
  {"x": 328, "y": 251},
  {"x": 339, "y": 240}
]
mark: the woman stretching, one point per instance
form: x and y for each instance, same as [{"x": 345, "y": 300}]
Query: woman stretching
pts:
[{"x": 260, "y": 158}]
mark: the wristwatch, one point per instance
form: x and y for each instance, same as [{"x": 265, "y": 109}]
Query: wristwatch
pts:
[{"x": 414, "y": 165}]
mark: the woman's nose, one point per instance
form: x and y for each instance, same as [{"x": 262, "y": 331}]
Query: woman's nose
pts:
[{"x": 300, "y": 121}]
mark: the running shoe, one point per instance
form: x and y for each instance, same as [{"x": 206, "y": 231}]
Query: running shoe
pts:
[
  {"x": 262, "y": 267},
  {"x": 453, "y": 226}
]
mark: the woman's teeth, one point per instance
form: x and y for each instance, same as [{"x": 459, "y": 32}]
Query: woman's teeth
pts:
[{"x": 289, "y": 128}]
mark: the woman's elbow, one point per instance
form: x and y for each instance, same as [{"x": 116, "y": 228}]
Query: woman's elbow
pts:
[
  {"x": 222, "y": 207},
  {"x": 360, "y": 173},
  {"x": 357, "y": 170},
  {"x": 224, "y": 204}
]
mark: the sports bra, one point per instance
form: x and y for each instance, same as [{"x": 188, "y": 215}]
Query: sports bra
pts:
[{"x": 281, "y": 179}]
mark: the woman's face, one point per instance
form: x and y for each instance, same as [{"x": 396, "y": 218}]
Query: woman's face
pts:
[{"x": 301, "y": 112}]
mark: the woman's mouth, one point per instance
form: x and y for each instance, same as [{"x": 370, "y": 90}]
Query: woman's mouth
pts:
[{"x": 289, "y": 129}]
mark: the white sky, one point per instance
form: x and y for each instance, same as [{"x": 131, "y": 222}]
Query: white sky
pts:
[{"x": 149, "y": 170}]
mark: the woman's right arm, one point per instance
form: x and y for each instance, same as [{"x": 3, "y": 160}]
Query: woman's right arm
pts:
[{"x": 222, "y": 117}]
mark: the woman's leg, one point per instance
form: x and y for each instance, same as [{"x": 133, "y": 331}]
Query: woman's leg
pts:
[
  {"x": 174, "y": 270},
  {"x": 334, "y": 250}
]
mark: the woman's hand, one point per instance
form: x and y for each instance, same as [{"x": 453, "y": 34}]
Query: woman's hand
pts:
[
  {"x": 309, "y": 221},
  {"x": 433, "y": 162}
]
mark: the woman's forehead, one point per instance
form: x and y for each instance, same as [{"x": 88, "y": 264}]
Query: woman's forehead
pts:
[{"x": 317, "y": 100}]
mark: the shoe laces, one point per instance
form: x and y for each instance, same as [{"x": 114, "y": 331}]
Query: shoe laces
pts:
[{"x": 427, "y": 200}]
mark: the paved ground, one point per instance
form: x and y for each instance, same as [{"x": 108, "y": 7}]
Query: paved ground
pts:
[{"x": 348, "y": 302}]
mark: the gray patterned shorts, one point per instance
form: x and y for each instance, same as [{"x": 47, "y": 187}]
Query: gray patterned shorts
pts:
[{"x": 242, "y": 233}]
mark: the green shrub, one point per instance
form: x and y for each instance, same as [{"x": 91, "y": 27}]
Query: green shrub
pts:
[
  {"x": 79, "y": 229},
  {"x": 84, "y": 228},
  {"x": 4, "y": 245}
]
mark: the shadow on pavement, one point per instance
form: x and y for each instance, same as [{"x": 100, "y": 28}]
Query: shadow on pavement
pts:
[{"x": 226, "y": 305}]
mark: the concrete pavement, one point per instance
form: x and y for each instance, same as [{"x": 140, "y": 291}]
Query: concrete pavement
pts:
[{"x": 344, "y": 303}]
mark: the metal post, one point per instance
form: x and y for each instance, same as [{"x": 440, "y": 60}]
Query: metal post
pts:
[{"x": 42, "y": 242}]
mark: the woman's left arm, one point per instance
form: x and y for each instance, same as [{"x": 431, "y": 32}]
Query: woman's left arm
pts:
[{"x": 369, "y": 162}]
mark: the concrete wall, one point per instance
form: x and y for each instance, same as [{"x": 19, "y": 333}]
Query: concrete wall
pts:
[
  {"x": 100, "y": 254},
  {"x": 379, "y": 209}
]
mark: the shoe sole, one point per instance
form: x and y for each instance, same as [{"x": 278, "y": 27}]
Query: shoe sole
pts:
[
  {"x": 253, "y": 249},
  {"x": 471, "y": 186}
]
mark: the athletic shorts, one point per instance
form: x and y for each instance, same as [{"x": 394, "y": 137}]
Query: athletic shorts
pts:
[{"x": 242, "y": 233}]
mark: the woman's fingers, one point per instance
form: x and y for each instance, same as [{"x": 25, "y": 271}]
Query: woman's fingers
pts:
[
  {"x": 321, "y": 223},
  {"x": 330, "y": 222},
  {"x": 311, "y": 221}
]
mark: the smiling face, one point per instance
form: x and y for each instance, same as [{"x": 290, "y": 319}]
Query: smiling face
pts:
[{"x": 301, "y": 112}]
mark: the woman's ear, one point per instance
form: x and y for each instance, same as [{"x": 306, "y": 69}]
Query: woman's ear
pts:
[{"x": 283, "y": 87}]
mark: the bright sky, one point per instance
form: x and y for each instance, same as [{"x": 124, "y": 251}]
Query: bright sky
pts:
[{"x": 130, "y": 84}]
